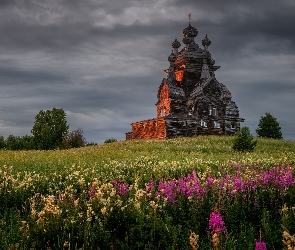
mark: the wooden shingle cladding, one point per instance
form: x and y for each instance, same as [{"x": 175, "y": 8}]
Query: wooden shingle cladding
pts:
[
  {"x": 180, "y": 127},
  {"x": 161, "y": 128},
  {"x": 191, "y": 101}
]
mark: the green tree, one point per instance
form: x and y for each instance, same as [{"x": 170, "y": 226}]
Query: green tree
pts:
[
  {"x": 20, "y": 143},
  {"x": 2, "y": 141},
  {"x": 13, "y": 142},
  {"x": 244, "y": 141},
  {"x": 269, "y": 127},
  {"x": 50, "y": 128},
  {"x": 28, "y": 142}
]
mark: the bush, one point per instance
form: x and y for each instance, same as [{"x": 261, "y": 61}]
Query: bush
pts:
[
  {"x": 244, "y": 141},
  {"x": 110, "y": 140},
  {"x": 91, "y": 143},
  {"x": 74, "y": 139},
  {"x": 269, "y": 127}
]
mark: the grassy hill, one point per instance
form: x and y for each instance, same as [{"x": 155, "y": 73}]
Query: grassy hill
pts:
[{"x": 174, "y": 156}]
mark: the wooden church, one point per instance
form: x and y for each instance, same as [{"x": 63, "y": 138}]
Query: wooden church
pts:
[{"x": 191, "y": 101}]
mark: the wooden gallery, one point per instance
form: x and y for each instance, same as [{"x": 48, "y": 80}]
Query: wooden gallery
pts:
[{"x": 191, "y": 101}]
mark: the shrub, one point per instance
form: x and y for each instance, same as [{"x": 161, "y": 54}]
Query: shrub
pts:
[
  {"x": 269, "y": 127},
  {"x": 110, "y": 140},
  {"x": 244, "y": 141},
  {"x": 74, "y": 139},
  {"x": 91, "y": 143}
]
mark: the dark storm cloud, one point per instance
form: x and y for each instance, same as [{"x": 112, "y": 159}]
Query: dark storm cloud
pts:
[
  {"x": 103, "y": 61},
  {"x": 28, "y": 78}
]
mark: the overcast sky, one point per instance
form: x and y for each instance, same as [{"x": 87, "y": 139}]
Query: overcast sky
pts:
[{"x": 102, "y": 61}]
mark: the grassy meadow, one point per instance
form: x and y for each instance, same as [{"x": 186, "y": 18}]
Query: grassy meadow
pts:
[{"x": 183, "y": 193}]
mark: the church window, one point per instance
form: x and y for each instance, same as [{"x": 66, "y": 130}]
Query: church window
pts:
[
  {"x": 203, "y": 124},
  {"x": 163, "y": 112},
  {"x": 216, "y": 124},
  {"x": 214, "y": 111},
  {"x": 233, "y": 126}
]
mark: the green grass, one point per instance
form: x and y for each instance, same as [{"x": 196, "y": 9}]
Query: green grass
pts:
[
  {"x": 149, "y": 159},
  {"x": 203, "y": 151}
]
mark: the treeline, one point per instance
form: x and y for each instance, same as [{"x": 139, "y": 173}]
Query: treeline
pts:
[
  {"x": 74, "y": 139},
  {"x": 50, "y": 131}
]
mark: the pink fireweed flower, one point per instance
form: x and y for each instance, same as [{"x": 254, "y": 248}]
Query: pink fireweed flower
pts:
[
  {"x": 149, "y": 186},
  {"x": 91, "y": 191},
  {"x": 255, "y": 204},
  {"x": 210, "y": 181},
  {"x": 190, "y": 186},
  {"x": 260, "y": 245},
  {"x": 216, "y": 223},
  {"x": 73, "y": 198},
  {"x": 59, "y": 198},
  {"x": 123, "y": 189},
  {"x": 167, "y": 190}
]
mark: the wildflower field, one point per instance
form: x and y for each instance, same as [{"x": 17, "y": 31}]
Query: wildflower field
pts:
[{"x": 184, "y": 193}]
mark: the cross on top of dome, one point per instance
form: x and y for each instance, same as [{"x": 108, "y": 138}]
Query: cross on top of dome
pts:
[{"x": 190, "y": 31}]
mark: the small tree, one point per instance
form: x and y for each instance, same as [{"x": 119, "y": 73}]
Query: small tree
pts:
[
  {"x": 50, "y": 128},
  {"x": 244, "y": 141},
  {"x": 74, "y": 139},
  {"x": 269, "y": 127}
]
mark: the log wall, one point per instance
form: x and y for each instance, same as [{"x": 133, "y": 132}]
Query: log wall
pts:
[
  {"x": 163, "y": 106},
  {"x": 148, "y": 129}
]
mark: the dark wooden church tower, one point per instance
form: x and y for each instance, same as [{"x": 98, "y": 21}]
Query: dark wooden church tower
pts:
[{"x": 191, "y": 101}]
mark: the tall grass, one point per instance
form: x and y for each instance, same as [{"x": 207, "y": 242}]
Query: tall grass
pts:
[{"x": 148, "y": 195}]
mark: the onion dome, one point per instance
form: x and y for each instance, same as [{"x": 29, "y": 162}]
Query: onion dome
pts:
[
  {"x": 176, "y": 44},
  {"x": 186, "y": 40},
  {"x": 172, "y": 58},
  {"x": 206, "y": 42},
  {"x": 190, "y": 31}
]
